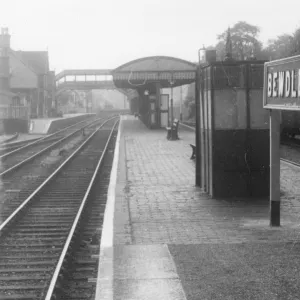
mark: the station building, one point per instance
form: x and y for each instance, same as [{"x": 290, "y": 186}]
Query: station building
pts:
[
  {"x": 27, "y": 86},
  {"x": 32, "y": 81}
]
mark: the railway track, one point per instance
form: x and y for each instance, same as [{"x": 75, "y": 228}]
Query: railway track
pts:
[
  {"x": 5, "y": 148},
  {"x": 15, "y": 159},
  {"x": 9, "y": 149},
  {"x": 17, "y": 183},
  {"x": 35, "y": 240}
]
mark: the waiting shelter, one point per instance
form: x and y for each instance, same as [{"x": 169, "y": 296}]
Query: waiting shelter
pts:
[
  {"x": 232, "y": 129},
  {"x": 148, "y": 76}
]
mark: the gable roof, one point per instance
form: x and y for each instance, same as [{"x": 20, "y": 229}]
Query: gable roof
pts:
[
  {"x": 22, "y": 75},
  {"x": 38, "y": 61}
]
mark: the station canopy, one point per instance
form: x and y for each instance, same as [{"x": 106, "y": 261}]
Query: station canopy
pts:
[{"x": 169, "y": 71}]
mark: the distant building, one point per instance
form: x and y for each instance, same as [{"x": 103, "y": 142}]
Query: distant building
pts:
[
  {"x": 25, "y": 80},
  {"x": 32, "y": 81}
]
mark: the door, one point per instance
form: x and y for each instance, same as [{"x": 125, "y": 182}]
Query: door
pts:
[
  {"x": 164, "y": 110},
  {"x": 152, "y": 100}
]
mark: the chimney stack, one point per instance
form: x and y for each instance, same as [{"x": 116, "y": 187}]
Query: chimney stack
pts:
[{"x": 4, "y": 67}]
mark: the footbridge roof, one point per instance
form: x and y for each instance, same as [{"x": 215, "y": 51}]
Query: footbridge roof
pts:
[{"x": 169, "y": 71}]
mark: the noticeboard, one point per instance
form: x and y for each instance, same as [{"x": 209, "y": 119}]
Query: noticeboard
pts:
[{"x": 282, "y": 84}]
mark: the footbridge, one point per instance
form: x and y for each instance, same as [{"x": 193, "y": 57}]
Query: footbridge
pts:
[
  {"x": 89, "y": 79},
  {"x": 84, "y": 80}
]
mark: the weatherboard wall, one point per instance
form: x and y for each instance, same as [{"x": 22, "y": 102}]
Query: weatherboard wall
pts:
[{"x": 234, "y": 134}]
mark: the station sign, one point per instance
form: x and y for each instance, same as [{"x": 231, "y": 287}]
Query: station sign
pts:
[{"x": 282, "y": 84}]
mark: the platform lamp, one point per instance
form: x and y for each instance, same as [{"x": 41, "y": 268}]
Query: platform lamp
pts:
[
  {"x": 171, "y": 82},
  {"x": 148, "y": 115}
]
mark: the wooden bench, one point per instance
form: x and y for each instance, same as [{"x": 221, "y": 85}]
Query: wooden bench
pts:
[
  {"x": 172, "y": 132},
  {"x": 194, "y": 151}
]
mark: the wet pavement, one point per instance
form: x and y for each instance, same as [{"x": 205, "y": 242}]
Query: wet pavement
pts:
[{"x": 171, "y": 241}]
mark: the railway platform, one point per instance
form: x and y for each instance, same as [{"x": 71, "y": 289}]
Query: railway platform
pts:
[
  {"x": 49, "y": 125},
  {"x": 163, "y": 238}
]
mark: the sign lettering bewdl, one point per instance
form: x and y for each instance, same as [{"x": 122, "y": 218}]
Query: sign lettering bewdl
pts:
[{"x": 282, "y": 84}]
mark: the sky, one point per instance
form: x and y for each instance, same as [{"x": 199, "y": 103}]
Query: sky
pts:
[{"x": 104, "y": 34}]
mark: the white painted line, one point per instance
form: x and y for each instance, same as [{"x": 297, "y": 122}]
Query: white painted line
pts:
[
  {"x": 104, "y": 288},
  {"x": 174, "y": 266}
]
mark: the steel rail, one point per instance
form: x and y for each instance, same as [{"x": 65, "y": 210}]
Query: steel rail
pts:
[
  {"x": 290, "y": 162},
  {"x": 17, "y": 145},
  {"x": 18, "y": 165},
  {"x": 62, "y": 258},
  {"x": 39, "y": 140},
  {"x": 4, "y": 226}
]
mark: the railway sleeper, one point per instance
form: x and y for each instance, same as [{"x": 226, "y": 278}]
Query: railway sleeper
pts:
[
  {"x": 45, "y": 232},
  {"x": 18, "y": 297},
  {"x": 25, "y": 250},
  {"x": 42, "y": 230},
  {"x": 23, "y": 287},
  {"x": 37, "y": 246},
  {"x": 27, "y": 263},
  {"x": 24, "y": 278},
  {"x": 22, "y": 256},
  {"x": 46, "y": 222},
  {"x": 25, "y": 270},
  {"x": 39, "y": 238}
]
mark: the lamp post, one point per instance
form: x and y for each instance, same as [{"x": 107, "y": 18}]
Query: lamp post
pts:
[
  {"x": 180, "y": 103},
  {"x": 148, "y": 115},
  {"x": 171, "y": 81}
]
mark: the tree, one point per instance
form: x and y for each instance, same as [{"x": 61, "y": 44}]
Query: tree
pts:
[
  {"x": 295, "y": 45},
  {"x": 64, "y": 98},
  {"x": 190, "y": 101},
  {"x": 244, "y": 41},
  {"x": 280, "y": 47}
]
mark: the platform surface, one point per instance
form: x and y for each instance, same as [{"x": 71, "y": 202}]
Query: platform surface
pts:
[{"x": 163, "y": 238}]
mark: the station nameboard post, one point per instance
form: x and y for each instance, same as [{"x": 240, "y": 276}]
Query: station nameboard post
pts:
[{"x": 281, "y": 92}]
